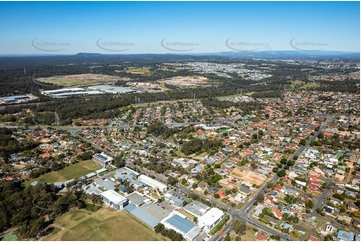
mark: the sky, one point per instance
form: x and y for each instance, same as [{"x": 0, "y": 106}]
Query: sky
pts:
[{"x": 177, "y": 27}]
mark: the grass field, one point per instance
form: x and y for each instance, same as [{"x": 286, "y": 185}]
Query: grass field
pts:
[
  {"x": 139, "y": 70},
  {"x": 298, "y": 84},
  {"x": 104, "y": 224},
  {"x": 79, "y": 80},
  {"x": 72, "y": 171},
  {"x": 249, "y": 236}
]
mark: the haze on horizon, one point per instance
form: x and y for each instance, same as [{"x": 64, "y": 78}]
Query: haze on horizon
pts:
[{"x": 177, "y": 27}]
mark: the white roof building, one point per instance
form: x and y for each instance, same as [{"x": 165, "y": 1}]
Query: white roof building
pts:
[
  {"x": 210, "y": 218},
  {"x": 153, "y": 183},
  {"x": 114, "y": 199}
]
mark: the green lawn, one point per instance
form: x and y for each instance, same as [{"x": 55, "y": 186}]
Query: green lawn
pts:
[
  {"x": 104, "y": 224},
  {"x": 72, "y": 171},
  {"x": 11, "y": 236}
]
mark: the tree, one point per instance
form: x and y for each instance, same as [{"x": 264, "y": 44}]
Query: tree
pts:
[
  {"x": 159, "y": 228},
  {"x": 240, "y": 227},
  {"x": 172, "y": 181},
  {"x": 227, "y": 237},
  {"x": 260, "y": 197},
  {"x": 119, "y": 161},
  {"x": 216, "y": 196},
  {"x": 309, "y": 204},
  {"x": 281, "y": 173},
  {"x": 271, "y": 185}
]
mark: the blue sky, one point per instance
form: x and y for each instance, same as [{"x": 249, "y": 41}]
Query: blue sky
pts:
[{"x": 140, "y": 27}]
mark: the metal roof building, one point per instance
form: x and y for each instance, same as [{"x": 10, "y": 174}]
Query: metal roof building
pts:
[
  {"x": 142, "y": 215},
  {"x": 111, "y": 89},
  {"x": 196, "y": 208},
  {"x": 13, "y": 98},
  {"x": 136, "y": 198},
  {"x": 182, "y": 225},
  {"x": 105, "y": 184}
]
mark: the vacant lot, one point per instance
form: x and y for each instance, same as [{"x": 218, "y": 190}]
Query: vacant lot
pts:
[
  {"x": 72, "y": 171},
  {"x": 249, "y": 176},
  {"x": 79, "y": 80},
  {"x": 104, "y": 224},
  {"x": 186, "y": 81}
]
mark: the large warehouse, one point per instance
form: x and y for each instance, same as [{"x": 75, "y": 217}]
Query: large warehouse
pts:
[{"x": 179, "y": 223}]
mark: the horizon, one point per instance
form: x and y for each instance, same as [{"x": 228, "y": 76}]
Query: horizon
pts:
[
  {"x": 245, "y": 53},
  {"x": 177, "y": 27}
]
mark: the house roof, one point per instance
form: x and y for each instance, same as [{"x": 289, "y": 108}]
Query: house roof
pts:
[
  {"x": 261, "y": 236},
  {"x": 277, "y": 212}
]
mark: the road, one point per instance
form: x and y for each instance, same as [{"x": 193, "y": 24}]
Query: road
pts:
[{"x": 241, "y": 214}]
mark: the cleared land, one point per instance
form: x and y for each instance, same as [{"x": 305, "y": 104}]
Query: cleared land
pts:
[
  {"x": 72, "y": 171},
  {"x": 139, "y": 70},
  {"x": 186, "y": 81},
  {"x": 298, "y": 84},
  {"x": 249, "y": 176},
  {"x": 104, "y": 224},
  {"x": 79, "y": 80}
]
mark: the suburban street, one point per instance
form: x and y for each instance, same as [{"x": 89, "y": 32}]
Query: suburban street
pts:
[{"x": 243, "y": 213}]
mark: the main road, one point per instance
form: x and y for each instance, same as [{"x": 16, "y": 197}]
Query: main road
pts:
[{"x": 241, "y": 214}]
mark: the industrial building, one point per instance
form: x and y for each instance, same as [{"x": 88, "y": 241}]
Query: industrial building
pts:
[
  {"x": 111, "y": 89},
  {"x": 210, "y": 219},
  {"x": 14, "y": 98},
  {"x": 153, "y": 183},
  {"x": 149, "y": 212},
  {"x": 67, "y": 92},
  {"x": 92, "y": 90},
  {"x": 103, "y": 159},
  {"x": 179, "y": 223},
  {"x": 114, "y": 199}
]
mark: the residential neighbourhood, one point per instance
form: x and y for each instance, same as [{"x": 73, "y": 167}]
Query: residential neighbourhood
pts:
[{"x": 290, "y": 177}]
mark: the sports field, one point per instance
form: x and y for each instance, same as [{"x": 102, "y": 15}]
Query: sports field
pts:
[
  {"x": 69, "y": 172},
  {"x": 104, "y": 224},
  {"x": 79, "y": 80}
]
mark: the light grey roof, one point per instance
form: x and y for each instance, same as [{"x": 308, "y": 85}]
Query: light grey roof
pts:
[
  {"x": 93, "y": 190},
  {"x": 196, "y": 208},
  {"x": 136, "y": 198},
  {"x": 108, "y": 185},
  {"x": 155, "y": 210},
  {"x": 142, "y": 215}
]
